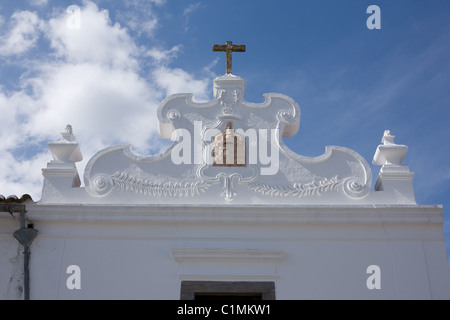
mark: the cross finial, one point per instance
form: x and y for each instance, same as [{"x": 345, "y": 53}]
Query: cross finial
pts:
[{"x": 229, "y": 47}]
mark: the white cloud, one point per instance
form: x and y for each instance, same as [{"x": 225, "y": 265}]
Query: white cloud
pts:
[
  {"x": 90, "y": 78},
  {"x": 158, "y": 2},
  {"x": 164, "y": 56},
  {"x": 144, "y": 2},
  {"x": 136, "y": 24},
  {"x": 139, "y": 16},
  {"x": 22, "y": 177},
  {"x": 179, "y": 81},
  {"x": 191, "y": 8},
  {"x": 22, "y": 35},
  {"x": 188, "y": 11},
  {"x": 96, "y": 41},
  {"x": 38, "y": 3},
  {"x": 208, "y": 69},
  {"x": 103, "y": 105}
]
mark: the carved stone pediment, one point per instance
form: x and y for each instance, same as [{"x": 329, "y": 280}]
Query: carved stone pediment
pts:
[{"x": 261, "y": 168}]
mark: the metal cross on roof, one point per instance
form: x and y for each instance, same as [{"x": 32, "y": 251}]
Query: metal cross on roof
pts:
[{"x": 229, "y": 48}]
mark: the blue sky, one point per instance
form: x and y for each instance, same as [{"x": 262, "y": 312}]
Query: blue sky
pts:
[{"x": 351, "y": 83}]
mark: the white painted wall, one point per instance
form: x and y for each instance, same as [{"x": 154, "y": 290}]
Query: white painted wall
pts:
[
  {"x": 11, "y": 260},
  {"x": 310, "y": 253}
]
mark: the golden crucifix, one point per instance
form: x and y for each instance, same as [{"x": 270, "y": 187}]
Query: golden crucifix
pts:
[{"x": 229, "y": 48}]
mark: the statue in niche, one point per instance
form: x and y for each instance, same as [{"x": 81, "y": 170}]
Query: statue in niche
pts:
[{"x": 229, "y": 149}]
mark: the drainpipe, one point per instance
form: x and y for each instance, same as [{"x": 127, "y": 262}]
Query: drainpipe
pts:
[{"x": 25, "y": 236}]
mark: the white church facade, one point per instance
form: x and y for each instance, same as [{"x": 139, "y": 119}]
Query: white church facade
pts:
[{"x": 228, "y": 210}]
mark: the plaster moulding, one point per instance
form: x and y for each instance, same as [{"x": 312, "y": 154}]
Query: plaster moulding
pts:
[{"x": 185, "y": 254}]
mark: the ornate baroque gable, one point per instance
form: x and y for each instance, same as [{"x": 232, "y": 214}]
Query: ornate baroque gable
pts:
[{"x": 231, "y": 129}]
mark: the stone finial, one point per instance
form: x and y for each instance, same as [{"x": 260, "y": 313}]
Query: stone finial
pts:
[
  {"x": 66, "y": 150},
  {"x": 389, "y": 153},
  {"x": 61, "y": 172},
  {"x": 68, "y": 134},
  {"x": 394, "y": 177},
  {"x": 387, "y": 138},
  {"x": 69, "y": 129}
]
